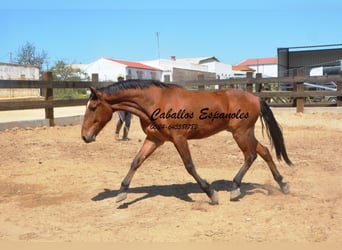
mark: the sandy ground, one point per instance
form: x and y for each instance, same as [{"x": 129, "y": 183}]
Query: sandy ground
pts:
[{"x": 56, "y": 188}]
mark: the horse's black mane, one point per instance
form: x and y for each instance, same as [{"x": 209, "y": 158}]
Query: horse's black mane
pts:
[{"x": 135, "y": 84}]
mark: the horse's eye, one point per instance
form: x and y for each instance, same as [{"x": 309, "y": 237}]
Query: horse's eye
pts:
[{"x": 90, "y": 106}]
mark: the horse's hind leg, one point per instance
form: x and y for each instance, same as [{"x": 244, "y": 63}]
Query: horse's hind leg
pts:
[
  {"x": 146, "y": 150},
  {"x": 183, "y": 150},
  {"x": 247, "y": 143},
  {"x": 265, "y": 154}
]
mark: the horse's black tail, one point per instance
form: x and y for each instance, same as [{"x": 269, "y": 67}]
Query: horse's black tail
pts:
[{"x": 274, "y": 132}]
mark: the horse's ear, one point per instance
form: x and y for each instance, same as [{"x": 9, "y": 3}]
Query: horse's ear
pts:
[
  {"x": 95, "y": 93},
  {"x": 92, "y": 90}
]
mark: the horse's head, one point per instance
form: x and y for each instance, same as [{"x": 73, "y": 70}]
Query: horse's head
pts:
[{"x": 97, "y": 115}]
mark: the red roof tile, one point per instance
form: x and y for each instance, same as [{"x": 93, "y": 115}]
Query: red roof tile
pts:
[
  {"x": 133, "y": 64},
  {"x": 242, "y": 68},
  {"x": 259, "y": 61}
]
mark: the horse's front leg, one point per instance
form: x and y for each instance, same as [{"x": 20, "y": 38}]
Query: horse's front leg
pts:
[
  {"x": 145, "y": 151},
  {"x": 183, "y": 149}
]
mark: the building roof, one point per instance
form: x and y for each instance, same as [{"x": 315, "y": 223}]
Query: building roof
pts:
[
  {"x": 242, "y": 68},
  {"x": 18, "y": 65},
  {"x": 259, "y": 61},
  {"x": 136, "y": 65}
]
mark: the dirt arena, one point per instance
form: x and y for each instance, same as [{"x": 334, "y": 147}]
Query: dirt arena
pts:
[{"x": 56, "y": 188}]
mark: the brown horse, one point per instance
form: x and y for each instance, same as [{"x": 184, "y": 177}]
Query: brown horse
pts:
[{"x": 169, "y": 112}]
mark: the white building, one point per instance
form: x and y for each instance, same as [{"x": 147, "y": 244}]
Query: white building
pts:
[
  {"x": 166, "y": 70},
  {"x": 268, "y": 67},
  {"x": 109, "y": 69},
  {"x": 199, "y": 64},
  {"x": 168, "y": 66},
  {"x": 9, "y": 71}
]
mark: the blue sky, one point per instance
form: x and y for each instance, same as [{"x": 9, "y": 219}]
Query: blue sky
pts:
[{"x": 84, "y": 31}]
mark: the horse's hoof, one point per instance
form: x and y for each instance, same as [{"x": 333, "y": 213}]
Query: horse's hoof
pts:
[
  {"x": 285, "y": 188},
  {"x": 235, "y": 194},
  {"x": 214, "y": 198},
  {"x": 121, "y": 197}
]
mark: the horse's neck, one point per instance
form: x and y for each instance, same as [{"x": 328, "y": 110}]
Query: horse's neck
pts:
[{"x": 136, "y": 101}]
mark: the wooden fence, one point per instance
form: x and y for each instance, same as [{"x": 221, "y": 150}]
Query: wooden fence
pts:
[{"x": 298, "y": 94}]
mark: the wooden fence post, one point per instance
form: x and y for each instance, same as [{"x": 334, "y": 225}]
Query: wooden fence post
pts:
[
  {"x": 339, "y": 88},
  {"x": 299, "y": 88},
  {"x": 48, "y": 96},
  {"x": 201, "y": 78},
  {"x": 249, "y": 86},
  {"x": 95, "y": 79},
  {"x": 258, "y": 86}
]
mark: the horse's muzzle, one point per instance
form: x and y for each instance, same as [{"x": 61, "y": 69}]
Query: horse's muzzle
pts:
[{"x": 88, "y": 138}]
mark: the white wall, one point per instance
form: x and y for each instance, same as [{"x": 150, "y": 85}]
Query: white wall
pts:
[
  {"x": 106, "y": 69},
  {"x": 222, "y": 70},
  {"x": 109, "y": 70},
  {"x": 167, "y": 66},
  {"x": 268, "y": 70},
  {"x": 18, "y": 72},
  {"x": 143, "y": 73}
]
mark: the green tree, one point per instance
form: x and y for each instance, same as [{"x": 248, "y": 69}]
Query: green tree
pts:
[
  {"x": 64, "y": 72},
  {"x": 61, "y": 71},
  {"x": 27, "y": 55}
]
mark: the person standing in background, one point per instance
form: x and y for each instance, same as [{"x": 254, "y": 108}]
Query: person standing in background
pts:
[{"x": 124, "y": 117}]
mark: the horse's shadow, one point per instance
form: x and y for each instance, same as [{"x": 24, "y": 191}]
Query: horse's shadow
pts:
[{"x": 183, "y": 191}]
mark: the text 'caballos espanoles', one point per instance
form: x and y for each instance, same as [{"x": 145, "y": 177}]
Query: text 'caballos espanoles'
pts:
[{"x": 204, "y": 113}]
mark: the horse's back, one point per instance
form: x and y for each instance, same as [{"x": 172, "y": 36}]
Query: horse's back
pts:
[
  {"x": 211, "y": 111},
  {"x": 225, "y": 100}
]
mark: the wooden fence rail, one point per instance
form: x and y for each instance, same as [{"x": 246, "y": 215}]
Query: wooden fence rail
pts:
[{"x": 251, "y": 84}]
